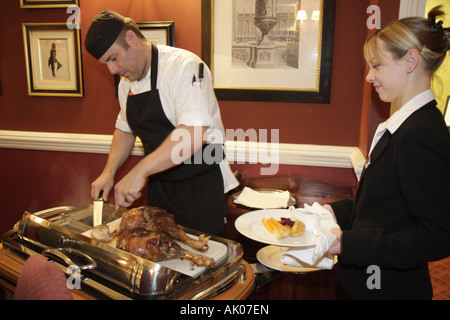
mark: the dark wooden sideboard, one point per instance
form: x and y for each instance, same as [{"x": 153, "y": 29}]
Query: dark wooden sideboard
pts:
[{"x": 286, "y": 286}]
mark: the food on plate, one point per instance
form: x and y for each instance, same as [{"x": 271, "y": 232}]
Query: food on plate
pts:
[
  {"x": 286, "y": 221},
  {"x": 281, "y": 232},
  {"x": 298, "y": 228},
  {"x": 271, "y": 224},
  {"x": 285, "y": 227},
  {"x": 152, "y": 233}
]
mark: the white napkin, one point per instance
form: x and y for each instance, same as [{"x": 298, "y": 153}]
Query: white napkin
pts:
[
  {"x": 264, "y": 200},
  {"x": 320, "y": 221}
]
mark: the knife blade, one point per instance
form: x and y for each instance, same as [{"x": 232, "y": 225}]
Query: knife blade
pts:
[
  {"x": 98, "y": 210},
  {"x": 111, "y": 217}
]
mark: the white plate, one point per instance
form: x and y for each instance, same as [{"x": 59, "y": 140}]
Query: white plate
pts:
[
  {"x": 250, "y": 225},
  {"x": 270, "y": 256},
  {"x": 216, "y": 250}
]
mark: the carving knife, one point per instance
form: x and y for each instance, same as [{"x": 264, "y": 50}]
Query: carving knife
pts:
[{"x": 98, "y": 210}]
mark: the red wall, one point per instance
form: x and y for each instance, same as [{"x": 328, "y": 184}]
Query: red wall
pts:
[
  {"x": 33, "y": 180},
  {"x": 96, "y": 111}
]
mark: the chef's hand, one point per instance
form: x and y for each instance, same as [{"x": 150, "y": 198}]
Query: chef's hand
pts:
[
  {"x": 129, "y": 188},
  {"x": 104, "y": 182}
]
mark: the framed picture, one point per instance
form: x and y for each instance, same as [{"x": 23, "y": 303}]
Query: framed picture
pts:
[
  {"x": 159, "y": 32},
  {"x": 53, "y": 59},
  {"x": 269, "y": 50},
  {"x": 47, "y": 3},
  {"x": 447, "y": 112}
]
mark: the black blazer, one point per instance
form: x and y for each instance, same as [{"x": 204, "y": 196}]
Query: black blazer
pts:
[{"x": 400, "y": 218}]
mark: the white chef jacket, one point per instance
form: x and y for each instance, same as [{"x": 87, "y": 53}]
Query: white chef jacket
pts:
[{"x": 186, "y": 99}]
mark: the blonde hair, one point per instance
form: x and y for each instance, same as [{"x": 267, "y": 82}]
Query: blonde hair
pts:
[{"x": 423, "y": 34}]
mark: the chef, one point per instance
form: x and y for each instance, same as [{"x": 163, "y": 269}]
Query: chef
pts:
[{"x": 166, "y": 99}]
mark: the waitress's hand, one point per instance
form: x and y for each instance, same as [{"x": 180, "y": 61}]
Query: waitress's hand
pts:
[
  {"x": 330, "y": 209},
  {"x": 104, "y": 182},
  {"x": 129, "y": 188},
  {"x": 336, "y": 247}
]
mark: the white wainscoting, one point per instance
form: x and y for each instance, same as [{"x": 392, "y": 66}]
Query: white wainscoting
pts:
[{"x": 236, "y": 151}]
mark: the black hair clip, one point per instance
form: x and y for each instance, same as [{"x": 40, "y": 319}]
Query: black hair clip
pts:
[{"x": 437, "y": 26}]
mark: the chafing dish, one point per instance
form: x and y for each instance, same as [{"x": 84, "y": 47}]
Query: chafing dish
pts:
[{"x": 111, "y": 273}]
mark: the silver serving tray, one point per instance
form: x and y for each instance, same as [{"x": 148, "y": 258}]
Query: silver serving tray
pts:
[{"x": 111, "y": 273}]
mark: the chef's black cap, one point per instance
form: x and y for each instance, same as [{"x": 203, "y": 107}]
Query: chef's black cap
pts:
[{"x": 103, "y": 32}]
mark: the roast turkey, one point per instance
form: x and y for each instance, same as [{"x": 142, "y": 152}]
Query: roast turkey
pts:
[
  {"x": 152, "y": 233},
  {"x": 159, "y": 221},
  {"x": 102, "y": 233},
  {"x": 159, "y": 247}
]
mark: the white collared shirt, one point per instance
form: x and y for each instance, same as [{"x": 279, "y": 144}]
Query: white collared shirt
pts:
[
  {"x": 396, "y": 120},
  {"x": 184, "y": 101}
]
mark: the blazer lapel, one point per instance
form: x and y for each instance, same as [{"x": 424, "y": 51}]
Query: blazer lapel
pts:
[
  {"x": 374, "y": 156},
  {"x": 379, "y": 148},
  {"x": 377, "y": 151}
]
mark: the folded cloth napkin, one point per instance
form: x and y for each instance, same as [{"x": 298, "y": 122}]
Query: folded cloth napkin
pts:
[
  {"x": 320, "y": 221},
  {"x": 264, "y": 200}
]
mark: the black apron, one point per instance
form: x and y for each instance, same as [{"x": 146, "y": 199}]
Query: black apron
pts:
[{"x": 193, "y": 192}]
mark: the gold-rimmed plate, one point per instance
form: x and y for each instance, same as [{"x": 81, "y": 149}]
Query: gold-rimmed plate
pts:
[{"x": 270, "y": 256}]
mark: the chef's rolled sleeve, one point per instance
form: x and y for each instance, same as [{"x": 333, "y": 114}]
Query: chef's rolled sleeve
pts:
[{"x": 122, "y": 123}]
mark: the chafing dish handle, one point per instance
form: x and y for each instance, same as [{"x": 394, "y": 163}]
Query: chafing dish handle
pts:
[
  {"x": 224, "y": 284},
  {"x": 59, "y": 253}
]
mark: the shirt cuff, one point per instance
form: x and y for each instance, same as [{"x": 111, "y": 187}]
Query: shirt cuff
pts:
[
  {"x": 191, "y": 119},
  {"x": 121, "y": 124}
]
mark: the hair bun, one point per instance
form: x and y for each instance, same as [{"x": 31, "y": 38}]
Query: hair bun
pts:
[
  {"x": 437, "y": 26},
  {"x": 434, "y": 13}
]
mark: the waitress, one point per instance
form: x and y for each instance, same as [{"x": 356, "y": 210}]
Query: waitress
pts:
[
  {"x": 166, "y": 99},
  {"x": 400, "y": 218}
]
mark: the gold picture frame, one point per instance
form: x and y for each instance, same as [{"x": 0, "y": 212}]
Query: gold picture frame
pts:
[
  {"x": 47, "y": 3},
  {"x": 53, "y": 60}
]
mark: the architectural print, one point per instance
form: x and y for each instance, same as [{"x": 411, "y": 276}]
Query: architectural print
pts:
[{"x": 266, "y": 34}]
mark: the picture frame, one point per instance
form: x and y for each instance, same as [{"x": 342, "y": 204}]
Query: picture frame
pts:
[
  {"x": 157, "y": 32},
  {"x": 47, "y": 3},
  {"x": 294, "y": 57},
  {"x": 53, "y": 60}
]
